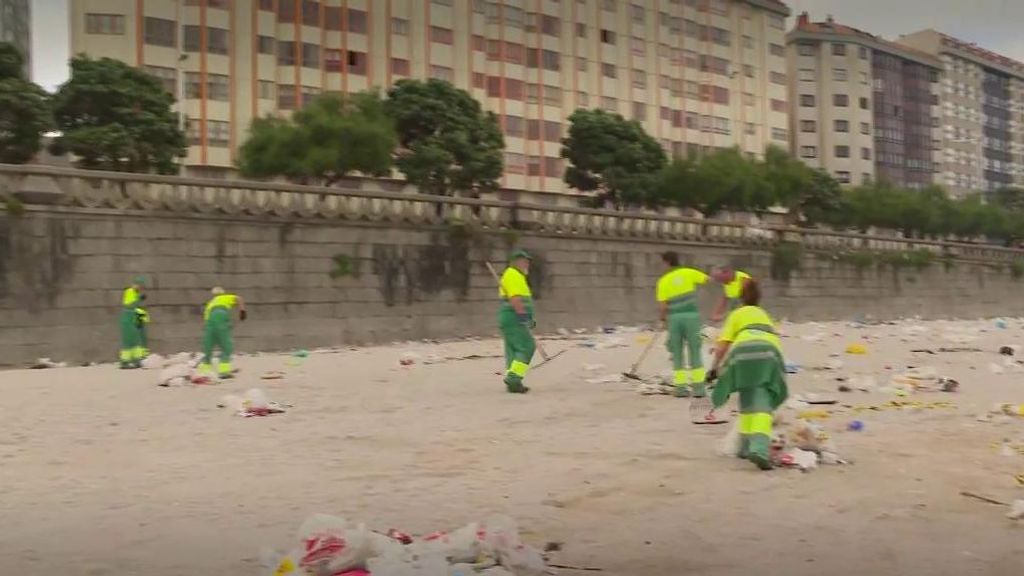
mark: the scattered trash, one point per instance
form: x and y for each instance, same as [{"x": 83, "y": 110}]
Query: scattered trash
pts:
[
  {"x": 409, "y": 358},
  {"x": 272, "y": 375},
  {"x": 857, "y": 348},
  {"x": 44, "y": 363},
  {"x": 1001, "y": 323},
  {"x": 792, "y": 368},
  {"x": 154, "y": 361},
  {"x": 805, "y": 460},
  {"x": 855, "y": 426},
  {"x": 949, "y": 385},
  {"x": 253, "y": 403},
  {"x": 1006, "y": 350},
  {"x": 1016, "y": 510},
  {"x": 300, "y": 354},
  {"x": 593, "y": 367},
  {"x": 175, "y": 375},
  {"x": 606, "y": 379},
  {"x": 996, "y": 368},
  {"x": 845, "y": 388}
]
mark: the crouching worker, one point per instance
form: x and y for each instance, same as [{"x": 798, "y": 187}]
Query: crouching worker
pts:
[
  {"x": 748, "y": 360},
  {"x": 217, "y": 332}
]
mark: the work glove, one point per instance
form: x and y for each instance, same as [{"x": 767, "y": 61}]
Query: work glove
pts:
[
  {"x": 242, "y": 315},
  {"x": 526, "y": 321},
  {"x": 712, "y": 375}
]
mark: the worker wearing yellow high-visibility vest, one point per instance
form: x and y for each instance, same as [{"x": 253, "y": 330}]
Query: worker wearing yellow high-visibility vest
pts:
[
  {"x": 515, "y": 318},
  {"x": 749, "y": 357},
  {"x": 677, "y": 299},
  {"x": 732, "y": 282},
  {"x": 217, "y": 332},
  {"x": 132, "y": 347}
]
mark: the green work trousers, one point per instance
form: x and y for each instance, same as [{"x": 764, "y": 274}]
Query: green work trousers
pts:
[
  {"x": 684, "y": 344},
  {"x": 217, "y": 334},
  {"x": 519, "y": 347},
  {"x": 132, "y": 350}
]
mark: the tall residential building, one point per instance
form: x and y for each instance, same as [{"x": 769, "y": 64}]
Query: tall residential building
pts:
[
  {"x": 982, "y": 114},
  {"x": 16, "y": 28},
  {"x": 699, "y": 74},
  {"x": 864, "y": 109}
]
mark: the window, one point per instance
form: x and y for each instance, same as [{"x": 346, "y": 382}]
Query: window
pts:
[
  {"x": 441, "y": 35},
  {"x": 863, "y": 53},
  {"x": 442, "y": 2},
  {"x": 748, "y": 70},
  {"x": 514, "y": 53},
  {"x": 608, "y": 5},
  {"x": 267, "y": 5},
  {"x": 865, "y": 128},
  {"x": 399, "y": 26},
  {"x": 479, "y": 78},
  {"x": 514, "y": 163},
  {"x": 865, "y": 153},
  {"x": 639, "y": 111},
  {"x": 608, "y": 70},
  {"x": 750, "y": 100},
  {"x": 777, "y": 22},
  {"x": 863, "y": 103},
  {"x": 842, "y": 151},
  {"x": 285, "y": 53},
  {"x": 533, "y": 164},
  {"x": 807, "y": 100},
  {"x": 332, "y": 60},
  {"x": 748, "y": 41},
  {"x": 637, "y": 13},
  {"x": 639, "y": 46},
  {"x": 639, "y": 79},
  {"x": 308, "y": 94},
  {"x": 356, "y": 62},
  {"x": 266, "y": 90},
  {"x": 581, "y": 64},
  {"x": 777, "y": 105},
  {"x": 843, "y": 177},
  {"x": 104, "y": 24},
  {"x": 840, "y": 100},
  {"x": 356, "y": 21},
  {"x": 286, "y": 13},
  {"x": 808, "y": 152},
  {"x": 839, "y": 74},
  {"x": 552, "y": 167},
  {"x": 494, "y": 86},
  {"x": 160, "y": 32},
  {"x": 607, "y": 36},
  {"x": 217, "y": 41},
  {"x": 806, "y": 74},
  {"x": 780, "y": 134},
  {"x": 310, "y": 12},
  {"x": 218, "y": 87},
  {"x": 842, "y": 126},
  {"x": 550, "y": 60},
  {"x": 514, "y": 126},
  {"x": 777, "y": 50},
  {"x": 310, "y": 55},
  {"x": 332, "y": 18},
  {"x": 514, "y": 17},
  {"x": 550, "y": 25},
  {"x": 286, "y": 96},
  {"x": 552, "y": 131},
  {"x": 805, "y": 49},
  {"x": 808, "y": 126},
  {"x": 448, "y": 75},
  {"x": 168, "y": 77},
  {"x": 581, "y": 30},
  {"x": 838, "y": 49},
  {"x": 266, "y": 44},
  {"x": 610, "y": 104},
  {"x": 192, "y": 39},
  {"x": 750, "y": 129},
  {"x": 552, "y": 95},
  {"x": 193, "y": 87},
  {"x": 777, "y": 78},
  {"x": 583, "y": 99}
]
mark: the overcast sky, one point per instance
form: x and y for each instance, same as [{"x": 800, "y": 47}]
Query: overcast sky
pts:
[{"x": 993, "y": 24}]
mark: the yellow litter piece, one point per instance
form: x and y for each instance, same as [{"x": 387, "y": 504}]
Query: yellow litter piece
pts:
[
  {"x": 643, "y": 339},
  {"x": 857, "y": 348},
  {"x": 813, "y": 415}
]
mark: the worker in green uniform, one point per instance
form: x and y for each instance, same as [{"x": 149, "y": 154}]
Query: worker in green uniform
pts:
[
  {"x": 749, "y": 358},
  {"x": 515, "y": 318},
  {"x": 732, "y": 282},
  {"x": 217, "y": 332},
  {"x": 677, "y": 299},
  {"x": 132, "y": 347}
]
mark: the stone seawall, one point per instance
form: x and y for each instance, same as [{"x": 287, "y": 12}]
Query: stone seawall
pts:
[{"x": 311, "y": 283}]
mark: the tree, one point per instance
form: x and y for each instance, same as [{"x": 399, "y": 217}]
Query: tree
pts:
[
  {"x": 447, "y": 143},
  {"x": 330, "y": 138},
  {"x": 115, "y": 117},
  {"x": 613, "y": 157},
  {"x": 728, "y": 180},
  {"x": 24, "y": 110}
]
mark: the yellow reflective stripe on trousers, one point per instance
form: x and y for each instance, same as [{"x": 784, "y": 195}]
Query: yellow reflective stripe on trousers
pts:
[
  {"x": 224, "y": 367},
  {"x": 205, "y": 368},
  {"x": 760, "y": 423},
  {"x": 126, "y": 355},
  {"x": 518, "y": 368},
  {"x": 138, "y": 353},
  {"x": 679, "y": 377},
  {"x": 697, "y": 375}
]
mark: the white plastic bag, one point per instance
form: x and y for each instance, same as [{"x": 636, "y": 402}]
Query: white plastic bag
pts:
[
  {"x": 175, "y": 375},
  {"x": 332, "y": 545},
  {"x": 523, "y": 560}
]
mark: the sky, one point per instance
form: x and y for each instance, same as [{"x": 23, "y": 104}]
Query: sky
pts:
[{"x": 992, "y": 24}]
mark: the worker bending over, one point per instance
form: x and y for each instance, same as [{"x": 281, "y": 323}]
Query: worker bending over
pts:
[
  {"x": 749, "y": 359},
  {"x": 732, "y": 282},
  {"x": 677, "y": 300},
  {"x": 217, "y": 332},
  {"x": 133, "y": 347}
]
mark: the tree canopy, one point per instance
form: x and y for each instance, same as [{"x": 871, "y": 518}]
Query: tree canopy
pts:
[
  {"x": 24, "y": 110},
  {"x": 447, "y": 142},
  {"x": 116, "y": 117},
  {"x": 613, "y": 157},
  {"x": 333, "y": 136}
]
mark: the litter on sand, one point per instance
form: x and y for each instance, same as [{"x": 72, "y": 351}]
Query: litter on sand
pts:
[
  {"x": 332, "y": 546},
  {"x": 857, "y": 348},
  {"x": 44, "y": 363},
  {"x": 253, "y": 403}
]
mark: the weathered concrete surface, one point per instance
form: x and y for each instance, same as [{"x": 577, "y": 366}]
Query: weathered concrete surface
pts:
[{"x": 61, "y": 275}]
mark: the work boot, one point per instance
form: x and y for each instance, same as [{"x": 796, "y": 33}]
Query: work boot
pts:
[
  {"x": 744, "y": 451},
  {"x": 699, "y": 390},
  {"x": 681, "y": 391},
  {"x": 760, "y": 452},
  {"x": 514, "y": 385}
]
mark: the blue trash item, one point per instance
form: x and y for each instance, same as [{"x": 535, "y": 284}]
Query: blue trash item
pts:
[
  {"x": 1000, "y": 323},
  {"x": 792, "y": 367},
  {"x": 855, "y": 426}
]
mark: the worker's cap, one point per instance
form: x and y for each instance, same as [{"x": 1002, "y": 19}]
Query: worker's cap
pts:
[
  {"x": 217, "y": 291},
  {"x": 519, "y": 254}
]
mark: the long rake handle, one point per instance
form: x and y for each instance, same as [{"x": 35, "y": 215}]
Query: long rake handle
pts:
[
  {"x": 497, "y": 280},
  {"x": 643, "y": 355}
]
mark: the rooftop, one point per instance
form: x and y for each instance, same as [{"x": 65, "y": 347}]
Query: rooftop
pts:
[
  {"x": 831, "y": 27},
  {"x": 980, "y": 52}
]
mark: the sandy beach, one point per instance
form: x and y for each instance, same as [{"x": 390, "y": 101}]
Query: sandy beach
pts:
[{"x": 105, "y": 473}]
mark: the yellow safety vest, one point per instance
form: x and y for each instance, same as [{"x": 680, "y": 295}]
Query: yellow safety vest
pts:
[
  {"x": 225, "y": 301},
  {"x": 735, "y": 288},
  {"x": 749, "y": 323},
  {"x": 678, "y": 288}
]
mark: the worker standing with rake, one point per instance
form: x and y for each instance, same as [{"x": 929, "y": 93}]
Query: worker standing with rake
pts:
[
  {"x": 515, "y": 318},
  {"x": 677, "y": 299}
]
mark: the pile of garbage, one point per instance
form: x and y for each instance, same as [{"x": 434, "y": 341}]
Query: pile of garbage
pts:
[
  {"x": 796, "y": 443},
  {"x": 253, "y": 403},
  {"x": 332, "y": 546}
]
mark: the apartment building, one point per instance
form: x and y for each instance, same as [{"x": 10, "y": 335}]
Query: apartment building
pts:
[
  {"x": 698, "y": 74},
  {"x": 16, "y": 28},
  {"x": 982, "y": 114},
  {"x": 864, "y": 109}
]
